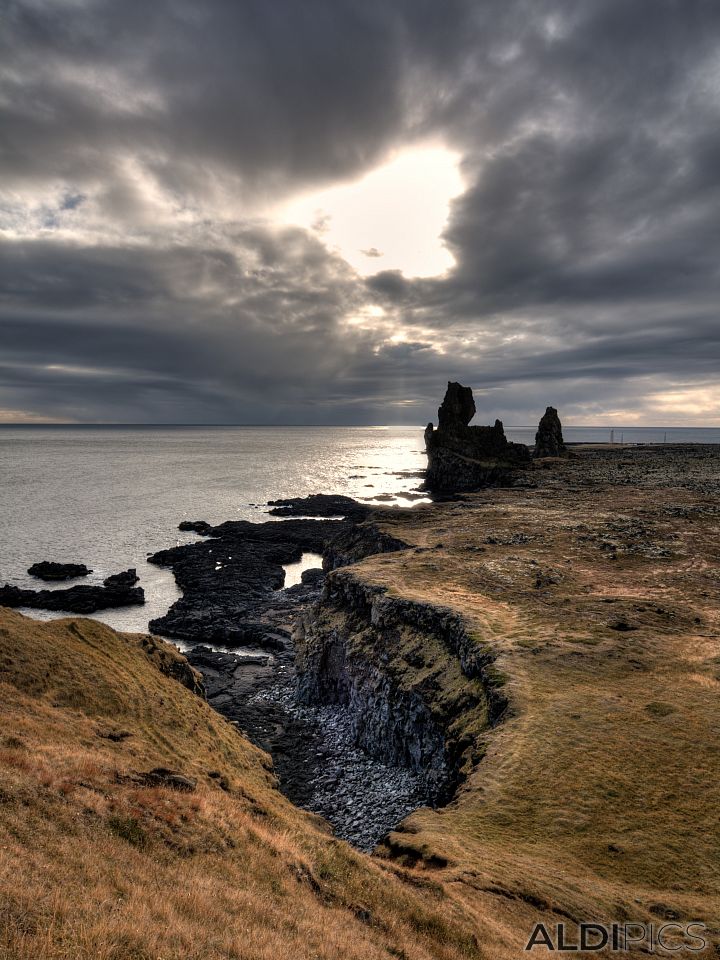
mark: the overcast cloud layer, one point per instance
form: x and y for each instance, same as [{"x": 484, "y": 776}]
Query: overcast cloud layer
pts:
[{"x": 142, "y": 144}]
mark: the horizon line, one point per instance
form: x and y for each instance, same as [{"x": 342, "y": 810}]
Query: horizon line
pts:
[{"x": 347, "y": 426}]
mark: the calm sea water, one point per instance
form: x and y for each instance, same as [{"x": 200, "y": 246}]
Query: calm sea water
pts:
[{"x": 109, "y": 496}]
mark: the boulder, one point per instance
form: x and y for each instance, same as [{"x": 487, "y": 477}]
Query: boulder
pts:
[
  {"x": 549, "y": 439},
  {"x": 463, "y": 458},
  {"x": 164, "y": 777}
]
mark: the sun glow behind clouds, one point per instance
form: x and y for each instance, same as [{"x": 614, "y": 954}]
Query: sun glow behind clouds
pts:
[{"x": 389, "y": 219}]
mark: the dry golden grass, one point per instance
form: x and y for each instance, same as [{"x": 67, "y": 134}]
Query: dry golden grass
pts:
[{"x": 95, "y": 865}]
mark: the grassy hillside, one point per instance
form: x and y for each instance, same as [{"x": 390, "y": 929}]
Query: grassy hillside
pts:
[{"x": 100, "y": 862}]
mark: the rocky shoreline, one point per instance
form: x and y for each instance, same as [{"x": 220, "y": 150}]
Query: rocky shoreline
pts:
[{"x": 326, "y": 690}]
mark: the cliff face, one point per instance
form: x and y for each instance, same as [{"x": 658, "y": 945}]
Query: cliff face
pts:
[
  {"x": 417, "y": 687},
  {"x": 461, "y": 457}
]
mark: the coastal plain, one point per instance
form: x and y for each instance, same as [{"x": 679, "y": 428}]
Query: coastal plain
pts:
[{"x": 590, "y": 590}]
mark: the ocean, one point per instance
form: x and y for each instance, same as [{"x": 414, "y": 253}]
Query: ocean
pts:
[{"x": 109, "y": 496}]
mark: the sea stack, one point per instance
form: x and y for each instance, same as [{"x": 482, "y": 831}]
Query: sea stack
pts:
[
  {"x": 463, "y": 458},
  {"x": 549, "y": 439}
]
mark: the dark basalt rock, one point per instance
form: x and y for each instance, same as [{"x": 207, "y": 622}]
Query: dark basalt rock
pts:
[
  {"x": 319, "y": 505},
  {"x": 461, "y": 457},
  {"x": 345, "y": 656},
  {"x": 197, "y": 526},
  {"x": 128, "y": 578},
  {"x": 117, "y": 591},
  {"x": 47, "y": 570},
  {"x": 549, "y": 439},
  {"x": 313, "y": 577},
  {"x": 231, "y": 581},
  {"x": 457, "y": 408}
]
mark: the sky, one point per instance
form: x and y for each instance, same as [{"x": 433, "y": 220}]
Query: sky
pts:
[{"x": 320, "y": 211}]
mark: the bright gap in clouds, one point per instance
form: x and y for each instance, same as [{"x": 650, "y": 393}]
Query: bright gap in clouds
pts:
[{"x": 389, "y": 219}]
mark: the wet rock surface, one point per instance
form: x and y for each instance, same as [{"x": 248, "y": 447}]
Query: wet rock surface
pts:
[
  {"x": 48, "y": 570},
  {"x": 128, "y": 578},
  {"x": 320, "y": 505},
  {"x": 118, "y": 590},
  {"x": 464, "y": 458}
]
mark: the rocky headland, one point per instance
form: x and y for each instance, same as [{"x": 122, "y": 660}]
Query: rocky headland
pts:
[
  {"x": 242, "y": 628},
  {"x": 231, "y": 580}
]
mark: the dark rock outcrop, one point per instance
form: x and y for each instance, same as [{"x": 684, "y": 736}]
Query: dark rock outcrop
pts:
[
  {"x": 461, "y": 457},
  {"x": 313, "y": 577},
  {"x": 230, "y": 581},
  {"x": 47, "y": 570},
  {"x": 357, "y": 542},
  {"x": 117, "y": 591},
  {"x": 549, "y": 439},
  {"x": 169, "y": 661},
  {"x": 457, "y": 408},
  {"x": 196, "y": 526},
  {"x": 128, "y": 578},
  {"x": 164, "y": 777},
  {"x": 319, "y": 505}
]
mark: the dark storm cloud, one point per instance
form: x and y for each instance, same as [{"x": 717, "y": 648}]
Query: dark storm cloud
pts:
[
  {"x": 139, "y": 143},
  {"x": 266, "y": 91}
]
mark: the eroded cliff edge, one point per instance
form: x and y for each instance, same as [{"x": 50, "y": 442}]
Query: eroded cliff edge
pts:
[{"x": 419, "y": 690}]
